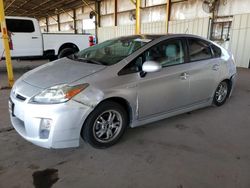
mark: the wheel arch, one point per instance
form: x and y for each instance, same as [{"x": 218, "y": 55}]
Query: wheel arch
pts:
[
  {"x": 119, "y": 100},
  {"x": 124, "y": 103},
  {"x": 67, "y": 45},
  {"x": 230, "y": 84}
]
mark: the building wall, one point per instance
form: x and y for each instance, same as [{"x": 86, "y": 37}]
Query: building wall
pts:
[
  {"x": 66, "y": 22},
  {"x": 194, "y": 26},
  {"x": 53, "y": 27},
  {"x": 186, "y": 17},
  {"x": 188, "y": 10},
  {"x": 197, "y": 26},
  {"x": 234, "y": 7},
  {"x": 193, "y": 9},
  {"x": 240, "y": 43},
  {"x": 152, "y": 11}
]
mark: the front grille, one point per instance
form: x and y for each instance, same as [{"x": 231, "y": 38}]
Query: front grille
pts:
[{"x": 20, "y": 97}]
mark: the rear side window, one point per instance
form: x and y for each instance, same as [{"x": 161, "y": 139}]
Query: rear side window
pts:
[
  {"x": 20, "y": 26},
  {"x": 216, "y": 50},
  {"x": 199, "y": 50}
]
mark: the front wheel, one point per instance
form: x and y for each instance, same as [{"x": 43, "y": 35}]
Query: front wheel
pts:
[
  {"x": 105, "y": 125},
  {"x": 221, "y": 94}
]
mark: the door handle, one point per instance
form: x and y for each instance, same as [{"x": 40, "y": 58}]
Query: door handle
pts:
[
  {"x": 184, "y": 76},
  {"x": 132, "y": 86},
  {"x": 216, "y": 67},
  {"x": 34, "y": 37}
]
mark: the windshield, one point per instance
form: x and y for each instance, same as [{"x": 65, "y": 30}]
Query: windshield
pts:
[{"x": 112, "y": 51}]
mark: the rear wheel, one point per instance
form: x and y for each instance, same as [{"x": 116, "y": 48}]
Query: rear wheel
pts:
[
  {"x": 221, "y": 93},
  {"x": 66, "y": 52},
  {"x": 105, "y": 125}
]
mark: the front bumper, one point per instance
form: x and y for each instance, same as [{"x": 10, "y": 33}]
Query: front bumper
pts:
[{"x": 67, "y": 120}]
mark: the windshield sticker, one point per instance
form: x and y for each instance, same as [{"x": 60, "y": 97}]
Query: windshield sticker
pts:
[{"x": 143, "y": 40}]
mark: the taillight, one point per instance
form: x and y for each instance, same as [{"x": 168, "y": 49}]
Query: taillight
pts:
[
  {"x": 11, "y": 44},
  {"x": 91, "y": 40}
]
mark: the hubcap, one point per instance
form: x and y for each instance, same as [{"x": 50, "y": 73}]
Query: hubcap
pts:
[
  {"x": 107, "y": 126},
  {"x": 221, "y": 92}
]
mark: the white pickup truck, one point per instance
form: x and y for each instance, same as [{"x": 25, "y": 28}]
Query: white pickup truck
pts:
[{"x": 28, "y": 41}]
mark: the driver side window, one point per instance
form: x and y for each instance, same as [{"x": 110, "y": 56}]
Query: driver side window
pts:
[{"x": 167, "y": 53}]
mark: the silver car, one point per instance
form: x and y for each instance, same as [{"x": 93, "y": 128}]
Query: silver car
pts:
[{"x": 129, "y": 81}]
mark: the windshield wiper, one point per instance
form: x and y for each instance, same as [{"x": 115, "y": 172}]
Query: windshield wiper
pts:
[
  {"x": 90, "y": 61},
  {"x": 86, "y": 60}
]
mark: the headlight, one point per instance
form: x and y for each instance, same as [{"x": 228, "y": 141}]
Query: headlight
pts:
[{"x": 58, "y": 94}]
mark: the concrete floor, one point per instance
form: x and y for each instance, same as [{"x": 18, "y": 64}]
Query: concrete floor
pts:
[
  {"x": 23, "y": 64},
  {"x": 207, "y": 148}
]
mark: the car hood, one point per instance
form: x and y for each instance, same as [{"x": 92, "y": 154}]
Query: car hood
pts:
[{"x": 62, "y": 71}]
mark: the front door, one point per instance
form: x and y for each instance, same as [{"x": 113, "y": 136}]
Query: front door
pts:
[{"x": 166, "y": 90}]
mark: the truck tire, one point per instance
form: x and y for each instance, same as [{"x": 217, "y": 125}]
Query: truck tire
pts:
[{"x": 66, "y": 52}]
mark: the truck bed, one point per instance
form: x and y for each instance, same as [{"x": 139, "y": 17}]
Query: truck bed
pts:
[{"x": 55, "y": 40}]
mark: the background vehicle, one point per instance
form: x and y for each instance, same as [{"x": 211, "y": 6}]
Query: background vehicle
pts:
[
  {"x": 28, "y": 41},
  {"x": 128, "y": 81}
]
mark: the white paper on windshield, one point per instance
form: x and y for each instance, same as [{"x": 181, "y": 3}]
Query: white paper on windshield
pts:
[{"x": 143, "y": 40}]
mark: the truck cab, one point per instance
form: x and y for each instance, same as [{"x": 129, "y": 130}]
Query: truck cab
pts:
[
  {"x": 27, "y": 40},
  {"x": 25, "y": 36}
]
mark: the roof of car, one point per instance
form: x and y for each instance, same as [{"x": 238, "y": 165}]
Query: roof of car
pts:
[
  {"x": 151, "y": 37},
  {"x": 156, "y": 36}
]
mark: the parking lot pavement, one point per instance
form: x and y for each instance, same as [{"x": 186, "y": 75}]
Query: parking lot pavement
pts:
[
  {"x": 205, "y": 148},
  {"x": 4, "y": 96},
  {"x": 22, "y": 65}
]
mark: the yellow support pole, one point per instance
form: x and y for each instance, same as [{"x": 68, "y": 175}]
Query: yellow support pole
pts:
[
  {"x": 138, "y": 17},
  {"x": 167, "y": 14},
  {"x": 5, "y": 38}
]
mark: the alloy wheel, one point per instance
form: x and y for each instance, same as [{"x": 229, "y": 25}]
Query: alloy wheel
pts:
[
  {"x": 221, "y": 92},
  {"x": 107, "y": 126}
]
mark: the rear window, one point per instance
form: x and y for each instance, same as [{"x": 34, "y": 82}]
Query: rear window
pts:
[
  {"x": 199, "y": 50},
  {"x": 20, "y": 26},
  {"x": 216, "y": 50}
]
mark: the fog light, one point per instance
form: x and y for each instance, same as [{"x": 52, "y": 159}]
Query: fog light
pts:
[{"x": 45, "y": 127}]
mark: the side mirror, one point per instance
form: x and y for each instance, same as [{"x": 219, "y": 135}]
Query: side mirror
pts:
[{"x": 151, "y": 66}]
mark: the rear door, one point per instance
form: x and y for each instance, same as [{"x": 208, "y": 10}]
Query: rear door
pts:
[
  {"x": 204, "y": 70},
  {"x": 26, "y": 37}
]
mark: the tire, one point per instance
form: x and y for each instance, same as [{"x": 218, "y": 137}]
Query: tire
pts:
[
  {"x": 105, "y": 125},
  {"x": 52, "y": 58},
  {"x": 66, "y": 52},
  {"x": 221, "y": 93}
]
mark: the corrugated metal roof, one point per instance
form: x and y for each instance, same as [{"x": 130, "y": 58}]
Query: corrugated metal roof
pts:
[{"x": 40, "y": 8}]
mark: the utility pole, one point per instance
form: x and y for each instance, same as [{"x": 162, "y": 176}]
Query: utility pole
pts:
[
  {"x": 168, "y": 11},
  {"x": 138, "y": 17},
  {"x": 5, "y": 39}
]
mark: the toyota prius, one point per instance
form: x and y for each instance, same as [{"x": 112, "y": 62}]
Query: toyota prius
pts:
[{"x": 124, "y": 82}]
